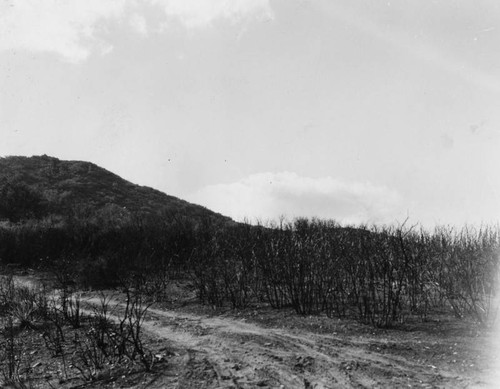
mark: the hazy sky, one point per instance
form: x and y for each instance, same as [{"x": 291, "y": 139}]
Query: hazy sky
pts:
[{"x": 361, "y": 111}]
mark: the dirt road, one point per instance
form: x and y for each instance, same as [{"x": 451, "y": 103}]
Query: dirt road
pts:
[
  {"x": 267, "y": 348},
  {"x": 206, "y": 351}
]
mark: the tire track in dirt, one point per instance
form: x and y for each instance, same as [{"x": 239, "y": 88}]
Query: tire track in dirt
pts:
[{"x": 220, "y": 352}]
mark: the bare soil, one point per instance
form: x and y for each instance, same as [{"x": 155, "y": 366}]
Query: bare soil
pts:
[{"x": 199, "y": 347}]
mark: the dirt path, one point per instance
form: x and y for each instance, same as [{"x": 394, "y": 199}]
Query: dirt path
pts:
[
  {"x": 229, "y": 351},
  {"x": 222, "y": 352}
]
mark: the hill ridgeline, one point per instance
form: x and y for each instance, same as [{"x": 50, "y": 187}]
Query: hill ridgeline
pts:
[{"x": 41, "y": 186}]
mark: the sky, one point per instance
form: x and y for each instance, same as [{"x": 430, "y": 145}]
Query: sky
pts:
[{"x": 359, "y": 111}]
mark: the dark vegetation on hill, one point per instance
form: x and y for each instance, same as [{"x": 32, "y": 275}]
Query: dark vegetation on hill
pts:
[{"x": 42, "y": 186}]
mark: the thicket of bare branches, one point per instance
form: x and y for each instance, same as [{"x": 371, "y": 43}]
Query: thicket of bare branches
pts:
[
  {"x": 88, "y": 343},
  {"x": 377, "y": 275},
  {"x": 381, "y": 275}
]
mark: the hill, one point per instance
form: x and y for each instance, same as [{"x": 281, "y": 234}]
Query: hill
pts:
[{"x": 41, "y": 186}]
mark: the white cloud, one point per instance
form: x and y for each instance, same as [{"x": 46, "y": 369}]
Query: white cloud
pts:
[
  {"x": 64, "y": 27},
  {"x": 201, "y": 13},
  {"x": 139, "y": 24},
  {"x": 270, "y": 195},
  {"x": 68, "y": 27}
]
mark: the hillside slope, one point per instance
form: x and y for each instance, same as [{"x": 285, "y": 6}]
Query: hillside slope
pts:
[{"x": 66, "y": 187}]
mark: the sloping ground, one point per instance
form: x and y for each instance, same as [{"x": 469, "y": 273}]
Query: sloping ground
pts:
[
  {"x": 69, "y": 185},
  {"x": 264, "y": 348},
  {"x": 278, "y": 350}
]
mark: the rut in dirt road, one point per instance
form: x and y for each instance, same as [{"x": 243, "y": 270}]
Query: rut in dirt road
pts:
[{"x": 216, "y": 352}]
